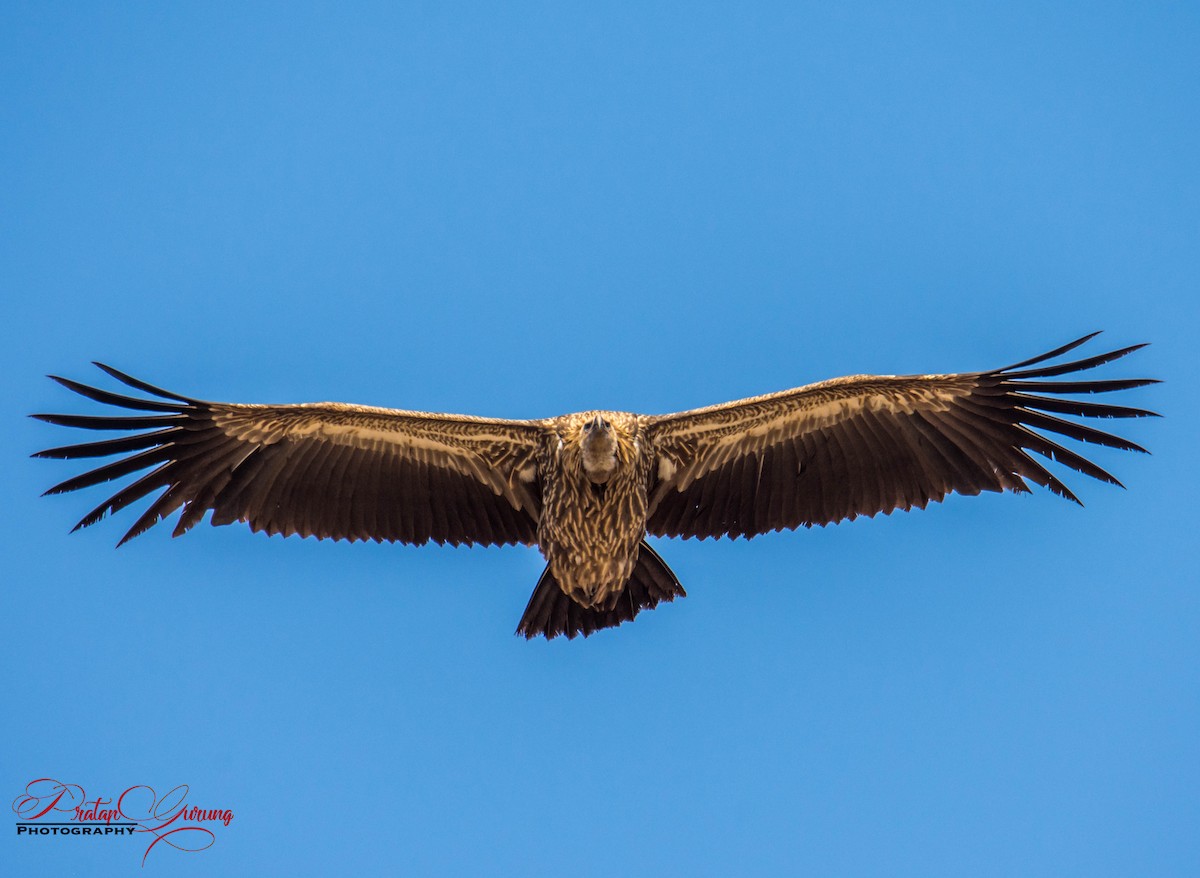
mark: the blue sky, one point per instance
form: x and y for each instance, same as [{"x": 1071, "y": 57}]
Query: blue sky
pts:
[{"x": 526, "y": 209}]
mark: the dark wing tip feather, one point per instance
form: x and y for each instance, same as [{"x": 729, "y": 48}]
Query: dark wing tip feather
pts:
[
  {"x": 1104, "y": 386},
  {"x": 94, "y": 516},
  {"x": 1075, "y": 365},
  {"x": 1050, "y": 355},
  {"x": 153, "y": 447},
  {"x": 1080, "y": 408},
  {"x": 116, "y": 399},
  {"x": 1018, "y": 389},
  {"x": 138, "y": 384}
]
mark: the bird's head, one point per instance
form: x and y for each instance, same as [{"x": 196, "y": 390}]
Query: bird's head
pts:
[{"x": 598, "y": 440}]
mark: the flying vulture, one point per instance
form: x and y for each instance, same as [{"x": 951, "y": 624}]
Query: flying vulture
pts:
[{"x": 588, "y": 488}]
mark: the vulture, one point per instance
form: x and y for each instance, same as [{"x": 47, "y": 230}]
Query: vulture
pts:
[{"x": 588, "y": 488}]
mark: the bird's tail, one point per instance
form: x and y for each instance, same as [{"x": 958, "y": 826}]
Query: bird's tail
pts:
[{"x": 551, "y": 613}]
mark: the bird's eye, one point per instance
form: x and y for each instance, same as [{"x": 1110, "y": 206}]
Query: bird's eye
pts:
[
  {"x": 587, "y": 428},
  {"x": 604, "y": 424}
]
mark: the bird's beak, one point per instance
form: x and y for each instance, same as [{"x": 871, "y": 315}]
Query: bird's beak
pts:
[{"x": 599, "y": 424}]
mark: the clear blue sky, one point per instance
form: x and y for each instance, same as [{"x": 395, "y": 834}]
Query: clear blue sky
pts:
[{"x": 525, "y": 209}]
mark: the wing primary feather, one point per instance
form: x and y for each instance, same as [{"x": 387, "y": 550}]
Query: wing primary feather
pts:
[
  {"x": 994, "y": 447},
  {"x": 1081, "y": 432},
  {"x": 1042, "y": 421},
  {"x": 225, "y": 505},
  {"x": 255, "y": 480},
  {"x": 114, "y": 470},
  {"x": 166, "y": 503},
  {"x": 115, "y": 399},
  {"x": 205, "y": 497},
  {"x": 1050, "y": 355},
  {"x": 179, "y": 474},
  {"x": 1047, "y": 447},
  {"x": 1075, "y": 365},
  {"x": 198, "y": 477},
  {"x": 108, "y": 447},
  {"x": 131, "y": 493},
  {"x": 130, "y": 381},
  {"x": 1080, "y": 408},
  {"x": 1031, "y": 469},
  {"x": 94, "y": 422},
  {"x": 1005, "y": 386}
]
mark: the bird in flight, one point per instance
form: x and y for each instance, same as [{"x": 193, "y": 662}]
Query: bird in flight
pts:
[{"x": 588, "y": 488}]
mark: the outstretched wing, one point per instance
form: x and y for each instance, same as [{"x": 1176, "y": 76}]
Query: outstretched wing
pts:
[
  {"x": 324, "y": 469},
  {"x": 873, "y": 443}
]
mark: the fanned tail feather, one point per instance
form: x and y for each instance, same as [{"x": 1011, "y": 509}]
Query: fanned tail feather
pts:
[{"x": 551, "y": 613}]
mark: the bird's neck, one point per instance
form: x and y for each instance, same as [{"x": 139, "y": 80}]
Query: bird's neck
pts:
[{"x": 599, "y": 458}]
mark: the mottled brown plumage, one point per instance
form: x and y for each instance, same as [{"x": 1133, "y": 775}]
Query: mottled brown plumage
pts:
[
  {"x": 590, "y": 528},
  {"x": 588, "y": 488}
]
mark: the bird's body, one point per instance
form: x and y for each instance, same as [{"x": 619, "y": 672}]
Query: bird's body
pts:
[
  {"x": 588, "y": 488},
  {"x": 593, "y": 517}
]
